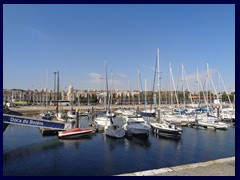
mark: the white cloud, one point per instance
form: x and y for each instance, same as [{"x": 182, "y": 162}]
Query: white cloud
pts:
[
  {"x": 122, "y": 75},
  {"x": 37, "y": 32},
  {"x": 95, "y": 78},
  {"x": 95, "y": 75}
]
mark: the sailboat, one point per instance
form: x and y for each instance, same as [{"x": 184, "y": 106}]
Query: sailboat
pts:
[
  {"x": 211, "y": 121},
  {"x": 47, "y": 115},
  {"x": 147, "y": 112},
  {"x": 112, "y": 129},
  {"x": 163, "y": 128}
]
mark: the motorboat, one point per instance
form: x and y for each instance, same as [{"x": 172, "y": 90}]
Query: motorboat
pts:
[
  {"x": 136, "y": 126},
  {"x": 212, "y": 124},
  {"x": 148, "y": 113},
  {"x": 100, "y": 122},
  {"x": 46, "y": 116},
  {"x": 115, "y": 131},
  {"x": 74, "y": 133},
  {"x": 128, "y": 112}
]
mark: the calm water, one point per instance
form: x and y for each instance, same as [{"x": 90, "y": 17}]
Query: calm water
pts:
[{"x": 27, "y": 152}]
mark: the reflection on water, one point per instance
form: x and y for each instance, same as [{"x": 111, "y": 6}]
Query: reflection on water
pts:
[
  {"x": 27, "y": 152},
  {"x": 35, "y": 148}
]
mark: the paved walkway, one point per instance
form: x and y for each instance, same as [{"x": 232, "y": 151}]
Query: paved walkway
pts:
[{"x": 219, "y": 167}]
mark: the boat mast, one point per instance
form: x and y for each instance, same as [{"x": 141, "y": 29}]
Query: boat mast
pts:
[
  {"x": 145, "y": 94},
  {"x": 199, "y": 83},
  {"x": 111, "y": 90},
  {"x": 46, "y": 88},
  {"x": 199, "y": 95},
  {"x": 57, "y": 90},
  {"x": 174, "y": 85},
  {"x": 225, "y": 88},
  {"x": 215, "y": 90},
  {"x": 107, "y": 97},
  {"x": 207, "y": 87},
  {"x": 138, "y": 85},
  {"x": 190, "y": 94},
  {"x": 184, "y": 103},
  {"x": 159, "y": 87}
]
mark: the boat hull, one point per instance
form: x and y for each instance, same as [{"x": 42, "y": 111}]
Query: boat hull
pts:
[
  {"x": 137, "y": 132},
  {"x": 166, "y": 132},
  {"x": 115, "y": 134},
  {"x": 74, "y": 133}
]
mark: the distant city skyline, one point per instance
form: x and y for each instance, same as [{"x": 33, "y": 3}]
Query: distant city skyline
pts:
[{"x": 39, "y": 40}]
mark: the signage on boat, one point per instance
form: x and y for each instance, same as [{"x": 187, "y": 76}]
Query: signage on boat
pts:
[{"x": 32, "y": 122}]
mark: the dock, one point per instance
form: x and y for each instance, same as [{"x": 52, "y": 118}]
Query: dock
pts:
[{"x": 219, "y": 167}]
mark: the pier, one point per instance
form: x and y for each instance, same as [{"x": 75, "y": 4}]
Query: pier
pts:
[{"x": 219, "y": 167}]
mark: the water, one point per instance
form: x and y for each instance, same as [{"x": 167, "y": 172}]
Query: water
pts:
[{"x": 26, "y": 152}]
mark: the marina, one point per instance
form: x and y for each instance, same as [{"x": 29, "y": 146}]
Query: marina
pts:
[
  {"x": 118, "y": 89},
  {"x": 27, "y": 152}
]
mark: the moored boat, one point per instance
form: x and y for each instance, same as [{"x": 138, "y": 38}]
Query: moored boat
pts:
[
  {"x": 137, "y": 126},
  {"x": 166, "y": 130},
  {"x": 74, "y": 133}
]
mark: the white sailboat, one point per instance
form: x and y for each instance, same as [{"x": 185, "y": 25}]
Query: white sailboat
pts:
[
  {"x": 163, "y": 128},
  {"x": 106, "y": 122},
  {"x": 112, "y": 129},
  {"x": 47, "y": 115},
  {"x": 147, "y": 112}
]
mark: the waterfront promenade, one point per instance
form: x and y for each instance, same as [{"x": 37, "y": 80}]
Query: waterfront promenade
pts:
[
  {"x": 219, "y": 167},
  {"x": 36, "y": 109}
]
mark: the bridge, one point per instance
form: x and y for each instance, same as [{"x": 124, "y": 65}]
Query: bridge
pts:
[{"x": 26, "y": 121}]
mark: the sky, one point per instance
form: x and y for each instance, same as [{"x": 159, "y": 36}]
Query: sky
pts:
[{"x": 78, "y": 39}]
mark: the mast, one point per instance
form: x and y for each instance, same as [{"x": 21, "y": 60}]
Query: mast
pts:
[
  {"x": 145, "y": 94},
  {"x": 140, "y": 82},
  {"x": 170, "y": 88},
  {"x": 215, "y": 91},
  {"x": 199, "y": 95},
  {"x": 225, "y": 88},
  {"x": 138, "y": 85},
  {"x": 207, "y": 87},
  {"x": 107, "y": 97},
  {"x": 184, "y": 103},
  {"x": 46, "y": 87},
  {"x": 174, "y": 85},
  {"x": 159, "y": 87},
  {"x": 111, "y": 91},
  {"x": 199, "y": 83},
  {"x": 190, "y": 95},
  {"x": 129, "y": 94},
  {"x": 153, "y": 91},
  {"x": 57, "y": 90}
]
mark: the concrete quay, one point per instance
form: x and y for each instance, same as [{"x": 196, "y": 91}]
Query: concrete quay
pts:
[
  {"x": 37, "y": 109},
  {"x": 99, "y": 106},
  {"x": 219, "y": 167}
]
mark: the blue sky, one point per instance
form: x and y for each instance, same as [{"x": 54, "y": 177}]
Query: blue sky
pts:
[{"x": 77, "y": 39}]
